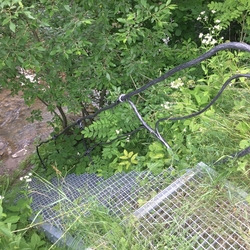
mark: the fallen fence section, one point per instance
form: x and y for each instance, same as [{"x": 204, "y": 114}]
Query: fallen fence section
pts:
[{"x": 178, "y": 211}]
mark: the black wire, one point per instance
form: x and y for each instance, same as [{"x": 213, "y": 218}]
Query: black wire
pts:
[
  {"x": 156, "y": 132},
  {"x": 124, "y": 97},
  {"x": 236, "y": 155},
  {"x": 213, "y": 51},
  {"x": 204, "y": 109}
]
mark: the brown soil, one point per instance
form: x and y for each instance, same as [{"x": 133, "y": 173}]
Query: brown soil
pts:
[{"x": 17, "y": 135}]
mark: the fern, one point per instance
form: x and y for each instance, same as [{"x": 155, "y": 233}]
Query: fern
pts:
[{"x": 112, "y": 123}]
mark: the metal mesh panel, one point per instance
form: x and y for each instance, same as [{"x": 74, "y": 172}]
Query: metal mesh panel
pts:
[
  {"x": 166, "y": 211},
  {"x": 208, "y": 223}
]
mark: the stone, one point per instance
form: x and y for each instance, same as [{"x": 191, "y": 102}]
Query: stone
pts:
[{"x": 2, "y": 145}]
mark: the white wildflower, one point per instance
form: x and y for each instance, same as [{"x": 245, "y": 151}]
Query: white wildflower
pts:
[
  {"x": 176, "y": 84},
  {"x": 198, "y": 18},
  {"x": 203, "y": 12},
  {"x": 213, "y": 42},
  {"x": 205, "y": 18},
  {"x": 166, "y": 105},
  {"x": 217, "y": 21},
  {"x": 26, "y": 178},
  {"x": 204, "y": 41},
  {"x": 118, "y": 131},
  {"x": 208, "y": 37},
  {"x": 213, "y": 11},
  {"x": 200, "y": 35},
  {"x": 1, "y": 197},
  {"x": 217, "y": 27}
]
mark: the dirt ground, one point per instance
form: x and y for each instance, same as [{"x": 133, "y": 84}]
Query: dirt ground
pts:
[
  {"x": 18, "y": 136},
  {"x": 10, "y": 165}
]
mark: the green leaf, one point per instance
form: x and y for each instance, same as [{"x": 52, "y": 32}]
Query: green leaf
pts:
[
  {"x": 108, "y": 76},
  {"x": 124, "y": 163},
  {"x": 12, "y": 219},
  {"x": 5, "y": 230},
  {"x": 248, "y": 199},
  {"x": 20, "y": 4},
  {"x": 125, "y": 152},
  {"x": 144, "y": 3},
  {"x": 6, "y": 20},
  {"x": 28, "y": 14},
  {"x": 134, "y": 161},
  {"x": 121, "y": 20},
  {"x": 242, "y": 127},
  {"x": 141, "y": 202},
  {"x": 134, "y": 156},
  {"x": 124, "y": 157},
  {"x": 35, "y": 240},
  {"x": 131, "y": 16},
  {"x": 244, "y": 144},
  {"x": 12, "y": 27},
  {"x": 20, "y": 59},
  {"x": 66, "y": 7},
  {"x": 130, "y": 154}
]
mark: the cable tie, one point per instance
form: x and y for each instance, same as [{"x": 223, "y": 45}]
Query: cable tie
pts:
[
  {"x": 120, "y": 97},
  {"x": 54, "y": 137},
  {"x": 79, "y": 123}
]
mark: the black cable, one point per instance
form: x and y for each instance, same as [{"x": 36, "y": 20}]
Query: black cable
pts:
[
  {"x": 224, "y": 46},
  {"x": 213, "y": 51},
  {"x": 122, "y": 98},
  {"x": 204, "y": 109},
  {"x": 237, "y": 155},
  {"x": 156, "y": 132}
]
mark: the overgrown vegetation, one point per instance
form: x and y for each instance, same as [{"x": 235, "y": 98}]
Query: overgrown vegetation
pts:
[{"x": 84, "y": 54}]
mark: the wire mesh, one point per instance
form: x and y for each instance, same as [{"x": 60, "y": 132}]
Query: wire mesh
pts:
[
  {"x": 167, "y": 211},
  {"x": 206, "y": 220}
]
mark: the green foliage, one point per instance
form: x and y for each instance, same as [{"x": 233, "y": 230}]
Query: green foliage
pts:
[
  {"x": 112, "y": 123},
  {"x": 234, "y": 15},
  {"x": 187, "y": 26},
  {"x": 128, "y": 159},
  {"x": 87, "y": 47},
  {"x": 15, "y": 230},
  {"x": 157, "y": 158},
  {"x": 65, "y": 154},
  {"x": 114, "y": 47},
  {"x": 85, "y": 54}
]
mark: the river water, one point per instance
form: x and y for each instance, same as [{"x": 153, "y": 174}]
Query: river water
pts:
[{"x": 17, "y": 135}]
